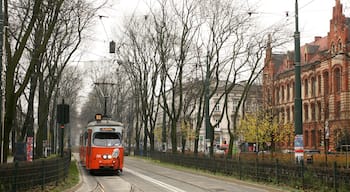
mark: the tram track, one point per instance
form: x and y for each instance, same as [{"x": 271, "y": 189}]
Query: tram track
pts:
[{"x": 163, "y": 174}]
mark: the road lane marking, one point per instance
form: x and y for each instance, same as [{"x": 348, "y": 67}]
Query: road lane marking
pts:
[{"x": 162, "y": 184}]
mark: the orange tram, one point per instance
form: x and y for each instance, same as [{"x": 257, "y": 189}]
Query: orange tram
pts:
[{"x": 101, "y": 145}]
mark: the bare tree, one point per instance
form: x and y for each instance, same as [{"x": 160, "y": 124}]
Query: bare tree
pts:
[
  {"x": 230, "y": 50},
  {"x": 56, "y": 28},
  {"x": 64, "y": 34},
  {"x": 14, "y": 46},
  {"x": 223, "y": 43}
]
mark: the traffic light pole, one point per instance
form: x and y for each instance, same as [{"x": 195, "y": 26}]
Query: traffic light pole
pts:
[{"x": 61, "y": 139}]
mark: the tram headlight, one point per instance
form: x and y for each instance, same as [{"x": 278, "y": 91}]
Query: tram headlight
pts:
[
  {"x": 115, "y": 153},
  {"x": 106, "y": 156}
]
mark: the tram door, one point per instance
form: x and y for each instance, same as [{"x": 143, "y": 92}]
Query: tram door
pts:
[{"x": 88, "y": 161}]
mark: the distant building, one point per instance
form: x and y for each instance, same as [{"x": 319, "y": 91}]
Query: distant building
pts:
[
  {"x": 325, "y": 86},
  {"x": 221, "y": 133}
]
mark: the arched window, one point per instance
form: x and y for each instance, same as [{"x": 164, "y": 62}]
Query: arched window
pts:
[
  {"x": 306, "y": 88},
  {"x": 319, "y": 82},
  {"x": 325, "y": 83},
  {"x": 332, "y": 48},
  {"x": 337, "y": 80},
  {"x": 306, "y": 112},
  {"x": 340, "y": 46},
  {"x": 313, "y": 112},
  {"x": 319, "y": 110},
  {"x": 313, "y": 86},
  {"x": 288, "y": 114},
  {"x": 288, "y": 92}
]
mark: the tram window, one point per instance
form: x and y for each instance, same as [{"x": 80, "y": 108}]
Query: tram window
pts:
[
  {"x": 106, "y": 139},
  {"x": 85, "y": 138}
]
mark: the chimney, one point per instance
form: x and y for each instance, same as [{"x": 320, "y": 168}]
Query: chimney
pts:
[{"x": 317, "y": 38}]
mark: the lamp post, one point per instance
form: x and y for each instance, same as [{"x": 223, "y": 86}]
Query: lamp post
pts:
[
  {"x": 298, "y": 121},
  {"x": 206, "y": 104},
  {"x": 1, "y": 45}
]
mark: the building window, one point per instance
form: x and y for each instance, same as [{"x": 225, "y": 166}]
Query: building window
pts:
[
  {"x": 282, "y": 116},
  {"x": 306, "y": 88},
  {"x": 325, "y": 83},
  {"x": 306, "y": 112},
  {"x": 313, "y": 86},
  {"x": 319, "y": 82},
  {"x": 288, "y": 92},
  {"x": 340, "y": 46},
  {"x": 277, "y": 95},
  {"x": 282, "y": 92},
  {"x": 288, "y": 114},
  {"x": 333, "y": 48},
  {"x": 319, "y": 137},
  {"x": 313, "y": 138},
  {"x": 217, "y": 107},
  {"x": 313, "y": 112},
  {"x": 306, "y": 142},
  {"x": 337, "y": 80},
  {"x": 326, "y": 111},
  {"x": 218, "y": 124},
  {"x": 319, "y": 111},
  {"x": 293, "y": 89},
  {"x": 269, "y": 97}
]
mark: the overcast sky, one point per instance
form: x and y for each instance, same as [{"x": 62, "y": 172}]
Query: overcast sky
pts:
[{"x": 314, "y": 16}]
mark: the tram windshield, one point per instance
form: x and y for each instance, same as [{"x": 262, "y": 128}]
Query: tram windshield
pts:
[{"x": 106, "y": 139}]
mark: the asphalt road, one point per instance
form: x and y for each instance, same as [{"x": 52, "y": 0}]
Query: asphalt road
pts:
[{"x": 142, "y": 175}]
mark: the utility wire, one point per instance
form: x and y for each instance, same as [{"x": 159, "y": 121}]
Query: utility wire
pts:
[{"x": 104, "y": 28}]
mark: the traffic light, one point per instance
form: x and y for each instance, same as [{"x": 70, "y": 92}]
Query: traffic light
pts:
[
  {"x": 62, "y": 113},
  {"x": 112, "y": 47}
]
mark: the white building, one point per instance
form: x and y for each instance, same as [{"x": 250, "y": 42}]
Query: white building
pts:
[{"x": 216, "y": 109}]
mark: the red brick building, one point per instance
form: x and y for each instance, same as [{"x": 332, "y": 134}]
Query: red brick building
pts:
[{"x": 325, "y": 86}]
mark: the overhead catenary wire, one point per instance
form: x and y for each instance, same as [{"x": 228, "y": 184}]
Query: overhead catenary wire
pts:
[{"x": 104, "y": 28}]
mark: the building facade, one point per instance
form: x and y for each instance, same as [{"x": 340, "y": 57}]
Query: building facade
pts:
[
  {"x": 216, "y": 108},
  {"x": 324, "y": 83}
]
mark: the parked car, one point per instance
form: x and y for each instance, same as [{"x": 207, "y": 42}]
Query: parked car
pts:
[
  {"x": 309, "y": 155},
  {"x": 219, "y": 151}
]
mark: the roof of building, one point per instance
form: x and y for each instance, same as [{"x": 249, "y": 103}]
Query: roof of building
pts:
[{"x": 310, "y": 52}]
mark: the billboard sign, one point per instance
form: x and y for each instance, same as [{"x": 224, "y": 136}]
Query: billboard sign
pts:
[{"x": 299, "y": 147}]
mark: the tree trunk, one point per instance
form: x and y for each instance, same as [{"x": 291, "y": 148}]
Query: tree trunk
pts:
[
  {"x": 173, "y": 137},
  {"x": 9, "y": 118},
  {"x": 196, "y": 141},
  {"x": 28, "y": 125}
]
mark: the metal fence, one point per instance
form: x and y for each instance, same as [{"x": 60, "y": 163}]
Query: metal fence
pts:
[
  {"x": 24, "y": 176},
  {"x": 299, "y": 176}
]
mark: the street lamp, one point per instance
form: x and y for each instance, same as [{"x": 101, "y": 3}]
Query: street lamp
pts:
[
  {"x": 208, "y": 134},
  {"x": 1, "y": 45},
  {"x": 298, "y": 121}
]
